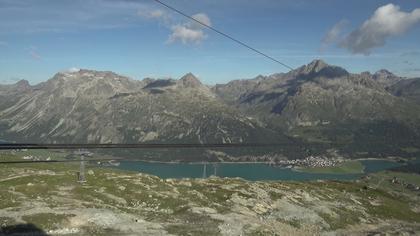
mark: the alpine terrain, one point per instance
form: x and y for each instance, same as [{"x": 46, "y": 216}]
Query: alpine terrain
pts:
[{"x": 312, "y": 109}]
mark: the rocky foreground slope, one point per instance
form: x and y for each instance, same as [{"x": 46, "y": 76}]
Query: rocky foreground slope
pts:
[{"x": 113, "y": 202}]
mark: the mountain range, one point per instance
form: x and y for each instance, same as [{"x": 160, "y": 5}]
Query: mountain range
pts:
[{"x": 312, "y": 109}]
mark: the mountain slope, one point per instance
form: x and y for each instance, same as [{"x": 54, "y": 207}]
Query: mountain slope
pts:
[
  {"x": 311, "y": 109},
  {"x": 326, "y": 104},
  {"x": 91, "y": 106},
  {"x": 386, "y": 78},
  {"x": 408, "y": 88},
  {"x": 320, "y": 93}
]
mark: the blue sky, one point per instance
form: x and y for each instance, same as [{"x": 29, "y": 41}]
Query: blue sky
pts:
[{"x": 141, "y": 39}]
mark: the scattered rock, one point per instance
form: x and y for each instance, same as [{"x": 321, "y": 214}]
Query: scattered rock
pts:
[{"x": 122, "y": 188}]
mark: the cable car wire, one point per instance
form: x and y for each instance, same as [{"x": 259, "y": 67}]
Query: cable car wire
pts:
[{"x": 223, "y": 34}]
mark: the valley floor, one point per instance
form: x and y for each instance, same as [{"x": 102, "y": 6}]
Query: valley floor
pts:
[{"x": 114, "y": 202}]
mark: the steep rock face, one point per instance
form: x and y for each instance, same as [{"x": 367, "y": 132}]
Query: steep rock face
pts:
[
  {"x": 319, "y": 93},
  {"x": 319, "y": 68},
  {"x": 385, "y": 78},
  {"x": 11, "y": 94},
  {"x": 346, "y": 98},
  {"x": 66, "y": 107},
  {"x": 93, "y": 106},
  {"x": 314, "y": 103},
  {"x": 189, "y": 80},
  {"x": 232, "y": 91},
  {"x": 407, "y": 88}
]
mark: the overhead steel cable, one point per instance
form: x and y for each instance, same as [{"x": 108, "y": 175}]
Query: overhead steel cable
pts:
[
  {"x": 68, "y": 160},
  {"x": 223, "y": 34},
  {"x": 97, "y": 160},
  {"x": 57, "y": 161},
  {"x": 9, "y": 146}
]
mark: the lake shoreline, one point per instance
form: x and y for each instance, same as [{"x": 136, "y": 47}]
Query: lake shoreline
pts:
[
  {"x": 246, "y": 162},
  {"x": 252, "y": 171}
]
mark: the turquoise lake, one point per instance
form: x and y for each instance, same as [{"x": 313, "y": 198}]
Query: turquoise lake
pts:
[{"x": 248, "y": 171}]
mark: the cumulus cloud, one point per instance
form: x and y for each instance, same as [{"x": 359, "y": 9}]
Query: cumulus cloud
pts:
[
  {"x": 72, "y": 70},
  {"x": 185, "y": 35},
  {"x": 201, "y": 17},
  {"x": 157, "y": 14},
  {"x": 185, "y": 32},
  {"x": 190, "y": 32},
  {"x": 387, "y": 21},
  {"x": 333, "y": 35}
]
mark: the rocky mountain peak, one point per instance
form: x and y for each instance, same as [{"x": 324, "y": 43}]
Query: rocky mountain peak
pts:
[
  {"x": 95, "y": 83},
  {"x": 384, "y": 74},
  {"x": 385, "y": 77},
  {"x": 316, "y": 66},
  {"x": 21, "y": 85},
  {"x": 190, "y": 80},
  {"x": 260, "y": 77},
  {"x": 24, "y": 84},
  {"x": 86, "y": 73},
  {"x": 320, "y": 68},
  {"x": 93, "y": 77}
]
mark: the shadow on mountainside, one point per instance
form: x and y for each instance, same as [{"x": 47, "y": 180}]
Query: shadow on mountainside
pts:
[{"x": 22, "y": 230}]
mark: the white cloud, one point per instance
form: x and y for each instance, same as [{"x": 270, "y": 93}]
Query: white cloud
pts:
[
  {"x": 72, "y": 70},
  {"x": 387, "y": 21},
  {"x": 185, "y": 32},
  {"x": 333, "y": 35},
  {"x": 190, "y": 32},
  {"x": 157, "y": 14},
  {"x": 186, "y": 35},
  {"x": 146, "y": 12},
  {"x": 201, "y": 17},
  {"x": 2, "y": 43}
]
